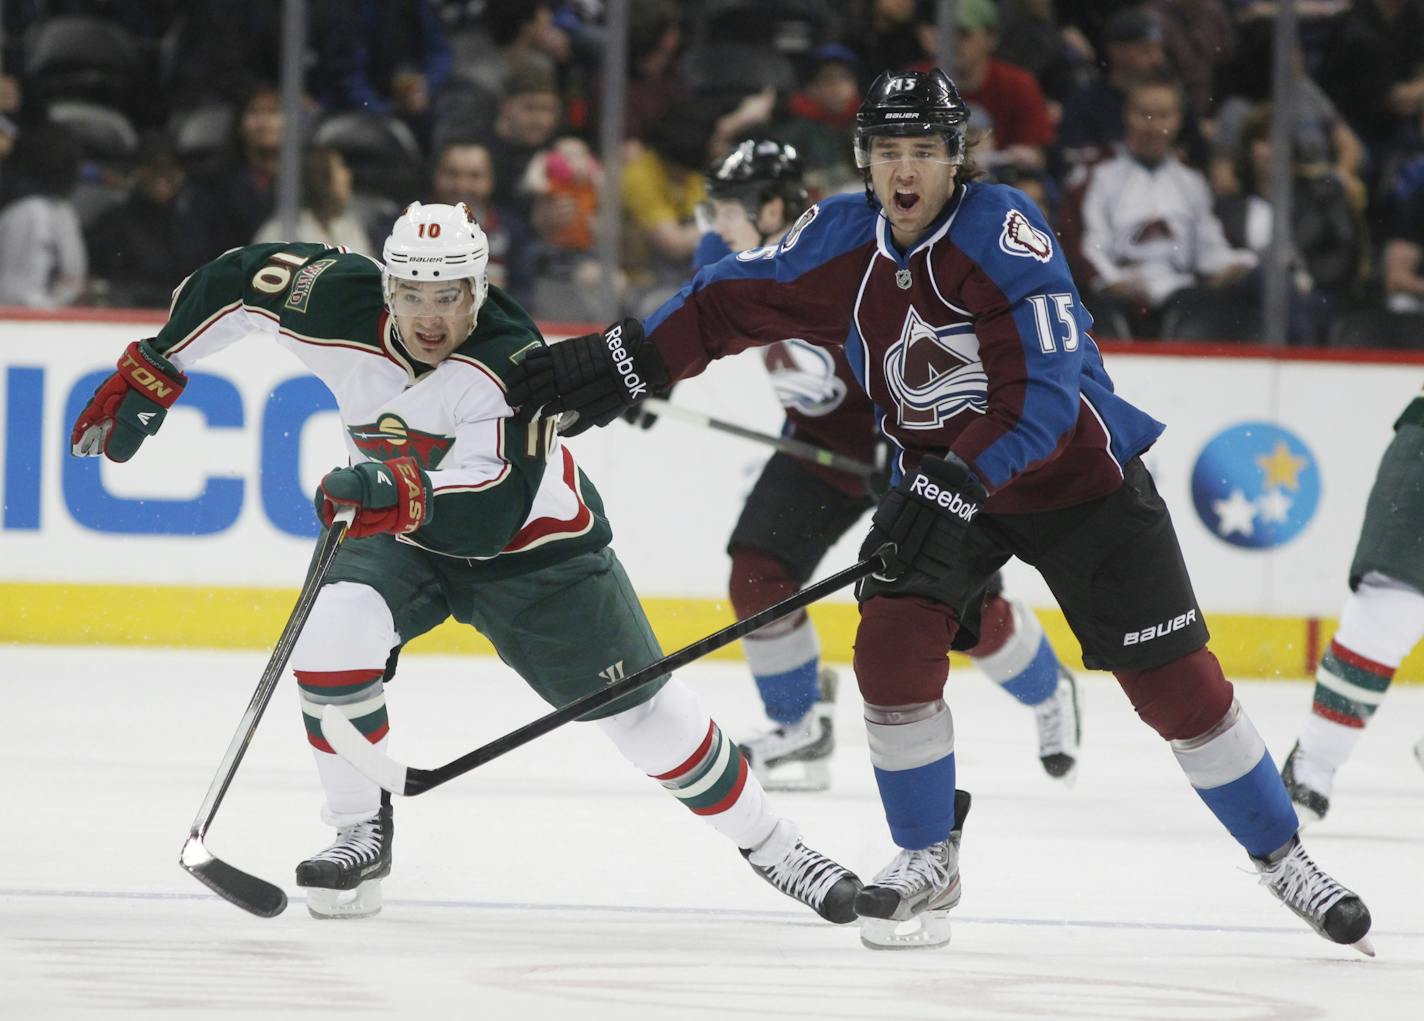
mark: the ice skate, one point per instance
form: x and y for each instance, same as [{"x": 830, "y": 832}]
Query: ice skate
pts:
[
  {"x": 796, "y": 757},
  {"x": 1059, "y": 729},
  {"x": 907, "y": 905},
  {"x": 785, "y": 862},
  {"x": 1308, "y": 785},
  {"x": 1326, "y": 906},
  {"x": 344, "y": 881}
]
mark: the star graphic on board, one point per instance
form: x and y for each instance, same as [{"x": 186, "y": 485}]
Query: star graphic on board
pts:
[
  {"x": 1235, "y": 514},
  {"x": 1274, "y": 506},
  {"x": 1282, "y": 468}
]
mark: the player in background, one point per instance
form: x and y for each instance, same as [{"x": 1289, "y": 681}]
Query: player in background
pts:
[
  {"x": 461, "y": 510},
  {"x": 797, "y": 511},
  {"x": 960, "y": 318},
  {"x": 1382, "y": 620}
]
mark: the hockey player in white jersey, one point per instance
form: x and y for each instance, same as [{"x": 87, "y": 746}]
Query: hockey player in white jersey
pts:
[
  {"x": 461, "y": 510},
  {"x": 798, "y": 510},
  {"x": 1382, "y": 621}
]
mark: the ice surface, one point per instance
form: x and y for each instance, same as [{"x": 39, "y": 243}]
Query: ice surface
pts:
[{"x": 558, "y": 883}]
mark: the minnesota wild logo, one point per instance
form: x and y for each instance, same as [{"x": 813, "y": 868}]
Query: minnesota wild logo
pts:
[{"x": 390, "y": 438}]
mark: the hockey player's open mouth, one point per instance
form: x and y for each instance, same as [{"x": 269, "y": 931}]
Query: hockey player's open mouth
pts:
[
  {"x": 906, "y": 200},
  {"x": 428, "y": 339}
]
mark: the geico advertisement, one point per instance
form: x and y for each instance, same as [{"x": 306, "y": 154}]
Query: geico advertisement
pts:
[{"x": 1265, "y": 464}]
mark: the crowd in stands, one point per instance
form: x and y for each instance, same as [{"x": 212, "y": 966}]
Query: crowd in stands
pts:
[{"x": 139, "y": 138}]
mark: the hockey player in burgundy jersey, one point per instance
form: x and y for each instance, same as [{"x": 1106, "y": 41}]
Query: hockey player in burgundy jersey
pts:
[
  {"x": 959, "y": 317},
  {"x": 461, "y": 510},
  {"x": 798, "y": 510}
]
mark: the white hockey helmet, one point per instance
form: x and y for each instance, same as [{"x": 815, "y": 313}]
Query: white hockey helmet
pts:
[{"x": 435, "y": 243}]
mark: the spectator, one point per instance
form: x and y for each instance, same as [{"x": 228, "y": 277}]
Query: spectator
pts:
[
  {"x": 225, "y": 205},
  {"x": 1327, "y": 232},
  {"x": 43, "y": 262},
  {"x": 1009, "y": 123},
  {"x": 1059, "y": 58},
  {"x": 885, "y": 37},
  {"x": 1373, "y": 68},
  {"x": 1093, "y": 116},
  {"x": 527, "y": 121},
  {"x": 1150, "y": 237},
  {"x": 385, "y": 58},
  {"x": 1404, "y": 258},
  {"x": 662, "y": 186},
  {"x": 1322, "y": 139},
  {"x": 654, "y": 81},
  {"x": 465, "y": 173},
  {"x": 325, "y": 214},
  {"x": 219, "y": 51},
  {"x": 517, "y": 33},
  {"x": 135, "y": 245},
  {"x": 9, "y": 131},
  {"x": 1199, "y": 39},
  {"x": 819, "y": 120}
]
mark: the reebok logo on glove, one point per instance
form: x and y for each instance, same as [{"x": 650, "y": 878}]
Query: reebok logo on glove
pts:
[
  {"x": 952, "y": 502},
  {"x": 623, "y": 362}
]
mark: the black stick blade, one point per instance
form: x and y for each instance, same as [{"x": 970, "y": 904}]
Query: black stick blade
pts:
[{"x": 254, "y": 895}]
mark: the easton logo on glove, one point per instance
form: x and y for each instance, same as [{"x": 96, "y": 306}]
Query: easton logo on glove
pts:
[
  {"x": 623, "y": 362},
  {"x": 390, "y": 496},
  {"x": 129, "y": 406}
]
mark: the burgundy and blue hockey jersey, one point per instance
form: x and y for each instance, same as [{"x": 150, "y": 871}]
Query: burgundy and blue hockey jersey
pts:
[{"x": 975, "y": 340}]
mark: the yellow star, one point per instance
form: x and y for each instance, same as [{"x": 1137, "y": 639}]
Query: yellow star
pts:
[{"x": 1281, "y": 467}]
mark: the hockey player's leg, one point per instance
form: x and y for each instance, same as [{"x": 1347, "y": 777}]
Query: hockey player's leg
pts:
[
  {"x": 1382, "y": 620},
  {"x": 340, "y": 660},
  {"x": 1014, "y": 652},
  {"x": 1191, "y": 704},
  {"x": 785, "y": 659},
  {"x": 673, "y": 739},
  {"x": 901, "y": 663}
]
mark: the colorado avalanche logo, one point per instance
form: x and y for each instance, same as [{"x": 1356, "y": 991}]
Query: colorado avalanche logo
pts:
[
  {"x": 934, "y": 373},
  {"x": 804, "y": 377},
  {"x": 1021, "y": 238},
  {"x": 390, "y": 438}
]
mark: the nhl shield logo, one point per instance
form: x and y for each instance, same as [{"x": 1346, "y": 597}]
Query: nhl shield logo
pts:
[
  {"x": 1021, "y": 238},
  {"x": 934, "y": 373}
]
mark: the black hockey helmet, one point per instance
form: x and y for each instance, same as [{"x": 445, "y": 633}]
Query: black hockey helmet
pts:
[
  {"x": 756, "y": 171},
  {"x": 911, "y": 103}
]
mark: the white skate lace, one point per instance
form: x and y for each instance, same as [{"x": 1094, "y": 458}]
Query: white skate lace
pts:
[
  {"x": 355, "y": 845},
  {"x": 805, "y": 874},
  {"x": 913, "y": 870},
  {"x": 1301, "y": 884}
]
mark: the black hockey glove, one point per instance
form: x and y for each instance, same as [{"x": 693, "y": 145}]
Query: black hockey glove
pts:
[
  {"x": 590, "y": 380},
  {"x": 925, "y": 518}
]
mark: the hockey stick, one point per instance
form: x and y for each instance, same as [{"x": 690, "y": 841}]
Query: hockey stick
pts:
[
  {"x": 351, "y": 745},
  {"x": 247, "y": 891},
  {"x": 796, "y": 448}
]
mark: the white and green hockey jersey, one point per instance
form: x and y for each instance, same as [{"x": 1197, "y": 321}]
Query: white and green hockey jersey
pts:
[{"x": 508, "y": 496}]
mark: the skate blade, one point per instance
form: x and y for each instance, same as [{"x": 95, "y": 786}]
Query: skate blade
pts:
[
  {"x": 1364, "y": 946},
  {"x": 362, "y": 902},
  {"x": 796, "y": 776},
  {"x": 926, "y": 930}
]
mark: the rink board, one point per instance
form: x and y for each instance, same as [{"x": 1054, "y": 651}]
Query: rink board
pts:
[{"x": 202, "y": 538}]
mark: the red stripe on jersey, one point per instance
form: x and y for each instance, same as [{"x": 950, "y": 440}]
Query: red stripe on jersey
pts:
[
  {"x": 732, "y": 795},
  {"x": 336, "y": 678},
  {"x": 1354, "y": 659},
  {"x": 541, "y": 528},
  {"x": 693, "y": 759},
  {"x": 1335, "y": 716},
  {"x": 319, "y": 743}
]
